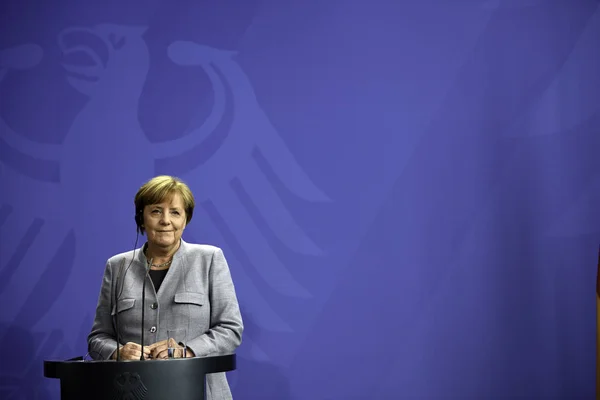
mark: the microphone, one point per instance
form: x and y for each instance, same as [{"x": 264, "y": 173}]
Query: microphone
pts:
[
  {"x": 146, "y": 269},
  {"x": 117, "y": 306}
]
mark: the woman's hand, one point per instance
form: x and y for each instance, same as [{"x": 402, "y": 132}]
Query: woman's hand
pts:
[
  {"x": 131, "y": 351},
  {"x": 160, "y": 350}
]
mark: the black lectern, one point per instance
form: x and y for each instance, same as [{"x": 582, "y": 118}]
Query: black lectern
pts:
[{"x": 179, "y": 378}]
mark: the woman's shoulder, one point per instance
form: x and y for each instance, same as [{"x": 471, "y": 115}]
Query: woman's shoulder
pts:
[
  {"x": 200, "y": 249},
  {"x": 125, "y": 256}
]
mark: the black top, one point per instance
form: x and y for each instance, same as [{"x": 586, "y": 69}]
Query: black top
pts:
[{"x": 157, "y": 276}]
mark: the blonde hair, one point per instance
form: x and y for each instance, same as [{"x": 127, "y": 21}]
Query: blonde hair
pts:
[{"x": 156, "y": 190}]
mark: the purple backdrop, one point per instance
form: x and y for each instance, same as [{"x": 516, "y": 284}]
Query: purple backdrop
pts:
[{"x": 407, "y": 192}]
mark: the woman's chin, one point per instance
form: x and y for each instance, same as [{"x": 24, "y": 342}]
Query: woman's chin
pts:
[{"x": 163, "y": 242}]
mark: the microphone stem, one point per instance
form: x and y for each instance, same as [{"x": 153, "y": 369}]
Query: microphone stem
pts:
[
  {"x": 144, "y": 306},
  {"x": 117, "y": 307}
]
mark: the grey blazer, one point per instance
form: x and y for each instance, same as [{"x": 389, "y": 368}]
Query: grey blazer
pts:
[{"x": 196, "y": 299}]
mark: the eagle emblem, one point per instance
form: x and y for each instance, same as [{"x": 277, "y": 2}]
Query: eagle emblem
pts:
[{"x": 129, "y": 386}]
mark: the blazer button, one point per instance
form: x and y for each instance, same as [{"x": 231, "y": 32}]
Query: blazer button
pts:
[
  {"x": 153, "y": 329},
  {"x": 154, "y": 306}
]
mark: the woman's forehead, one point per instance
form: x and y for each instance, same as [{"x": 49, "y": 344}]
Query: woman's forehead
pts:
[{"x": 172, "y": 200}]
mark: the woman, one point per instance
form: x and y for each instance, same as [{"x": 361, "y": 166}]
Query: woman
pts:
[{"x": 189, "y": 293}]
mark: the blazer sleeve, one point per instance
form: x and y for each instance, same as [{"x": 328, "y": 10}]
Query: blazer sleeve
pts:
[
  {"x": 101, "y": 340},
  {"x": 225, "y": 334}
]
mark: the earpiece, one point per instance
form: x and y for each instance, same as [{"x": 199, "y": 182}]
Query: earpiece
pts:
[{"x": 139, "y": 221}]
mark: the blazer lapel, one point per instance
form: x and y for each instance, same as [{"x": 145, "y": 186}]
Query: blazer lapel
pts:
[{"x": 174, "y": 278}]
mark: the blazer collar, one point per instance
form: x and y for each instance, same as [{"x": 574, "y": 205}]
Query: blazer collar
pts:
[
  {"x": 141, "y": 257},
  {"x": 173, "y": 278}
]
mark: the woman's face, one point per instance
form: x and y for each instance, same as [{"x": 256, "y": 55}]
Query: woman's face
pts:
[{"x": 164, "y": 222}]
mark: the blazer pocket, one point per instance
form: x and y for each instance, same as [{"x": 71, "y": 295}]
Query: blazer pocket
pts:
[
  {"x": 190, "y": 298},
  {"x": 124, "y": 304}
]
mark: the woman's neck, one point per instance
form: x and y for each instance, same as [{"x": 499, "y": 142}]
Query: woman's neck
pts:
[{"x": 160, "y": 255}]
